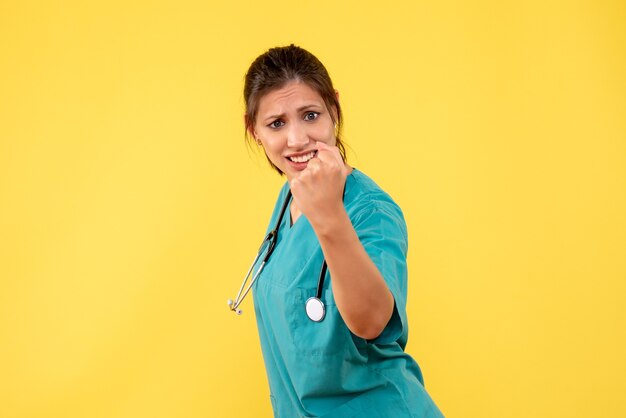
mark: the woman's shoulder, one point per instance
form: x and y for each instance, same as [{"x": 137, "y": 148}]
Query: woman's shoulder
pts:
[{"x": 363, "y": 195}]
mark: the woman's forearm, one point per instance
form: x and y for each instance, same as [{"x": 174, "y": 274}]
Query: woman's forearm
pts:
[{"x": 361, "y": 294}]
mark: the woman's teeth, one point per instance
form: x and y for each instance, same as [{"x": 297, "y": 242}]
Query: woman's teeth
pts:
[{"x": 303, "y": 158}]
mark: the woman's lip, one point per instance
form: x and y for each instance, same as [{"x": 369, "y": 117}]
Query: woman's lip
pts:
[
  {"x": 300, "y": 153},
  {"x": 297, "y": 166}
]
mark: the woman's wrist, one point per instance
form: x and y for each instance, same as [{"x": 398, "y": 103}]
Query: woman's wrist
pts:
[{"x": 331, "y": 224}]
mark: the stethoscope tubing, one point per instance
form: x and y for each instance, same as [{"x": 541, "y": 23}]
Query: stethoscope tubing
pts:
[
  {"x": 270, "y": 242},
  {"x": 320, "y": 282}
]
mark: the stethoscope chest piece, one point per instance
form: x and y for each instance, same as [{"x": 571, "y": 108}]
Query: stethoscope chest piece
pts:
[{"x": 315, "y": 309}]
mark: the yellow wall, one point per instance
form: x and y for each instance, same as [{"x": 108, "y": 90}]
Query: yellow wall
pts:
[{"x": 130, "y": 207}]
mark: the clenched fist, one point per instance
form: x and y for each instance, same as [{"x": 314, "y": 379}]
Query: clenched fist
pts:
[{"x": 318, "y": 189}]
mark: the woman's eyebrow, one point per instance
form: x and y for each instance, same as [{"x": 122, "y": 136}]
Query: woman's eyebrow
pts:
[{"x": 300, "y": 109}]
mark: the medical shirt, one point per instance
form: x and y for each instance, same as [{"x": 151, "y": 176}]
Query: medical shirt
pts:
[{"x": 321, "y": 369}]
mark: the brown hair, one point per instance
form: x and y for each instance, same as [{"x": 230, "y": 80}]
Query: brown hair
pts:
[{"x": 279, "y": 66}]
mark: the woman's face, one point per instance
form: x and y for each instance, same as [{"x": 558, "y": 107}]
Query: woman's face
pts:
[{"x": 289, "y": 122}]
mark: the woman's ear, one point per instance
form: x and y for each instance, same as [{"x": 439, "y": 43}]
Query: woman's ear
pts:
[
  {"x": 247, "y": 124},
  {"x": 250, "y": 130},
  {"x": 334, "y": 109},
  {"x": 335, "y": 114}
]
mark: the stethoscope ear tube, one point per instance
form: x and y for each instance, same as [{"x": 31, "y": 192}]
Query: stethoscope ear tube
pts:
[{"x": 270, "y": 242}]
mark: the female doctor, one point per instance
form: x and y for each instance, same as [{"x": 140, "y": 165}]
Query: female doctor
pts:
[{"x": 342, "y": 356}]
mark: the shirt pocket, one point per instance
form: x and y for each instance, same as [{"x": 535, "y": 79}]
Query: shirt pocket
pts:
[{"x": 327, "y": 338}]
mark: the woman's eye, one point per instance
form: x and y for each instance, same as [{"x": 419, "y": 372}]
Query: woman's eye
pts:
[
  {"x": 276, "y": 124},
  {"x": 311, "y": 116}
]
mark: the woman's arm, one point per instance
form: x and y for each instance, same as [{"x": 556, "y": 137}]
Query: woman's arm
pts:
[{"x": 361, "y": 293}]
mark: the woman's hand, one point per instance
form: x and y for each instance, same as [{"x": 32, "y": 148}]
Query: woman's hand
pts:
[{"x": 318, "y": 190}]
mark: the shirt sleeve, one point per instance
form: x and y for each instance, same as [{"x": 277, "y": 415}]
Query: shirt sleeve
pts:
[{"x": 382, "y": 231}]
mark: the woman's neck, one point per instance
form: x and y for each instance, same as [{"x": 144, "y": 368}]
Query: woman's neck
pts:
[{"x": 295, "y": 212}]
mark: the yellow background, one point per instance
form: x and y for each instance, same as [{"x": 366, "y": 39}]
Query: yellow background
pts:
[{"x": 130, "y": 207}]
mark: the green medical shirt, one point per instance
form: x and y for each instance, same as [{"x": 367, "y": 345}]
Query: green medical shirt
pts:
[{"x": 321, "y": 369}]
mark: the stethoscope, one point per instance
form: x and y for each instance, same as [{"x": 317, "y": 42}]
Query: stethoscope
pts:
[{"x": 314, "y": 306}]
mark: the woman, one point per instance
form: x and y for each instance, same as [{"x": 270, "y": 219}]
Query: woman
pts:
[{"x": 340, "y": 354}]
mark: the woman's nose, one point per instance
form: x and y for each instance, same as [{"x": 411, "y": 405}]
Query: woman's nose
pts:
[{"x": 297, "y": 136}]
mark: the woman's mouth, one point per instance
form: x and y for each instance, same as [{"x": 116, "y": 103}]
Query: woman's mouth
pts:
[{"x": 303, "y": 158}]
